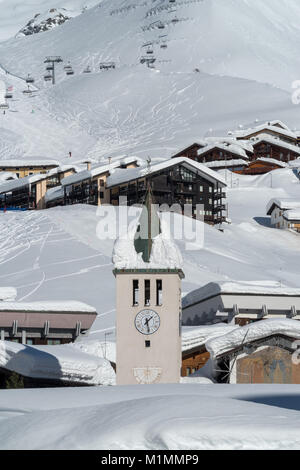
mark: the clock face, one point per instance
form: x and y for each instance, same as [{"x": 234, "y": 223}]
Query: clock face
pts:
[{"x": 147, "y": 322}]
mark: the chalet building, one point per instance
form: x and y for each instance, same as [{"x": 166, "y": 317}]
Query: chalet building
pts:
[
  {"x": 194, "y": 352},
  {"x": 240, "y": 303},
  {"x": 192, "y": 150},
  {"x": 285, "y": 213},
  {"x": 273, "y": 129},
  {"x": 261, "y": 166},
  {"x": 44, "y": 322},
  {"x": 222, "y": 152},
  {"x": 22, "y": 168},
  {"x": 267, "y": 146},
  {"x": 176, "y": 181},
  {"x": 29, "y": 192},
  {"x": 89, "y": 186},
  {"x": 260, "y": 352}
]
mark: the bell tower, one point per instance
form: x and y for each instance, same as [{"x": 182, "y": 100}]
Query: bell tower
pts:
[{"x": 148, "y": 305}]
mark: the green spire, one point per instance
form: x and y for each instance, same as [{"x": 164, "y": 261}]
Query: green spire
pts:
[{"x": 148, "y": 228}]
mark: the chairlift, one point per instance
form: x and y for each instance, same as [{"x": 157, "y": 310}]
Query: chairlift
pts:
[
  {"x": 4, "y": 106},
  {"x": 8, "y": 95},
  {"x": 87, "y": 69},
  {"x": 150, "y": 50},
  {"x": 161, "y": 25},
  {"x": 107, "y": 65},
  {"x": 52, "y": 59},
  {"x": 29, "y": 79},
  {"x": 47, "y": 78},
  {"x": 49, "y": 68},
  {"x": 28, "y": 91},
  {"x": 175, "y": 20},
  {"x": 70, "y": 71}
]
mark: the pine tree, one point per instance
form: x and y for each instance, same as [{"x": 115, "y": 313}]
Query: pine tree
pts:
[{"x": 14, "y": 381}]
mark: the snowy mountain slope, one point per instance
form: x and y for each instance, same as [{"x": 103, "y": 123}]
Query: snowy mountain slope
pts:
[
  {"x": 235, "y": 44},
  {"x": 16, "y": 13}
]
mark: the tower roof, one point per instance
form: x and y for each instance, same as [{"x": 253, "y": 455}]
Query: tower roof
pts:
[{"x": 149, "y": 227}]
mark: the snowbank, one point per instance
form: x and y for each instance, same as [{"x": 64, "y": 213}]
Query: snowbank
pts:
[
  {"x": 197, "y": 336},
  {"x": 64, "y": 363}
]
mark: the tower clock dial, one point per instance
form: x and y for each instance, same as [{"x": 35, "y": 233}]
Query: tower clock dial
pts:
[{"x": 147, "y": 322}]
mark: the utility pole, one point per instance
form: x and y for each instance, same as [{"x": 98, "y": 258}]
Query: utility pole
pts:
[{"x": 50, "y": 68}]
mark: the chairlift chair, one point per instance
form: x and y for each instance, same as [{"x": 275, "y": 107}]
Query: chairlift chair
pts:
[
  {"x": 8, "y": 95},
  {"x": 49, "y": 68},
  {"x": 29, "y": 79},
  {"x": 47, "y": 78},
  {"x": 70, "y": 71},
  {"x": 87, "y": 69},
  {"x": 4, "y": 106}
]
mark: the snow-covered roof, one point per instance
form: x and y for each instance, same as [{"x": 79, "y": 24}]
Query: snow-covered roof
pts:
[
  {"x": 54, "y": 193},
  {"x": 165, "y": 254},
  {"x": 283, "y": 204},
  {"x": 196, "y": 336},
  {"x": 292, "y": 214},
  {"x": 6, "y": 176},
  {"x": 64, "y": 362},
  {"x": 255, "y": 331},
  {"x": 98, "y": 170},
  {"x": 265, "y": 127},
  {"x": 237, "y": 287},
  {"x": 120, "y": 176},
  {"x": 47, "y": 306},
  {"x": 245, "y": 144},
  {"x": 226, "y": 163},
  {"x": 8, "y": 293},
  {"x": 19, "y": 163},
  {"x": 63, "y": 169},
  {"x": 233, "y": 148},
  {"x": 275, "y": 141},
  {"x": 21, "y": 182}
]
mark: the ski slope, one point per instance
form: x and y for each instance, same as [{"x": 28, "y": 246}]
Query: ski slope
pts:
[
  {"x": 246, "y": 54},
  {"x": 56, "y": 254}
]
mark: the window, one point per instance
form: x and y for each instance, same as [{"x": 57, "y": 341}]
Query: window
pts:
[
  {"x": 147, "y": 292},
  {"x": 135, "y": 292},
  {"x": 158, "y": 292},
  {"x": 29, "y": 341},
  {"x": 147, "y": 344},
  {"x": 201, "y": 189},
  {"x": 53, "y": 342}
]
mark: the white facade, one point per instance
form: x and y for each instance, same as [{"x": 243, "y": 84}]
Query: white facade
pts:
[{"x": 221, "y": 302}]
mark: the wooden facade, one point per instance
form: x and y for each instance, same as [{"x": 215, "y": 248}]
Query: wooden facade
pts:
[
  {"x": 259, "y": 167},
  {"x": 23, "y": 170},
  {"x": 276, "y": 151},
  {"x": 190, "y": 152},
  {"x": 194, "y": 360}
]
